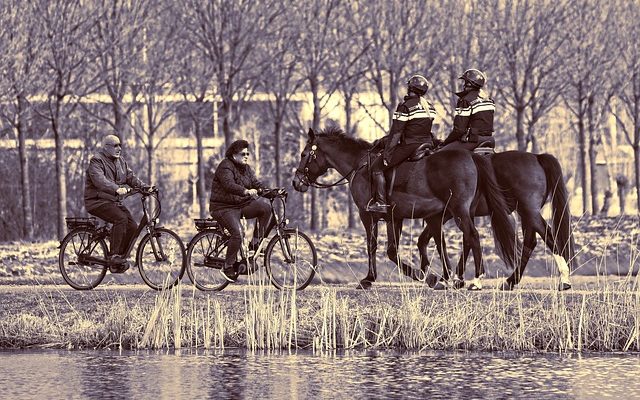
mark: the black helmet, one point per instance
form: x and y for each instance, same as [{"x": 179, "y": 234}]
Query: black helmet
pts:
[
  {"x": 418, "y": 84},
  {"x": 474, "y": 78}
]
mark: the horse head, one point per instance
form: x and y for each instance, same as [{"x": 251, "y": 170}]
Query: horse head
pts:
[{"x": 313, "y": 164}]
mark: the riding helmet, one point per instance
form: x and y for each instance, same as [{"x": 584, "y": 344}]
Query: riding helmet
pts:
[
  {"x": 474, "y": 78},
  {"x": 418, "y": 84}
]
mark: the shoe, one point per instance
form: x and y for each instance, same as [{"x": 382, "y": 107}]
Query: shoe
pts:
[
  {"x": 229, "y": 273},
  {"x": 118, "y": 264},
  {"x": 377, "y": 207}
]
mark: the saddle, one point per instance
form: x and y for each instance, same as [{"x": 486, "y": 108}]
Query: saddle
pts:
[
  {"x": 423, "y": 150},
  {"x": 485, "y": 148}
]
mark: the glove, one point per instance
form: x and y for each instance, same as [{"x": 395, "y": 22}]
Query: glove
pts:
[{"x": 121, "y": 191}]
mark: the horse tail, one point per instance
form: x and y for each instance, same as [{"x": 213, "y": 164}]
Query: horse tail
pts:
[
  {"x": 561, "y": 214},
  {"x": 507, "y": 243}
]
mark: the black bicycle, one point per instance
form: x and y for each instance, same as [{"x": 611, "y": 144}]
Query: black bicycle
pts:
[
  {"x": 290, "y": 257},
  {"x": 160, "y": 256}
]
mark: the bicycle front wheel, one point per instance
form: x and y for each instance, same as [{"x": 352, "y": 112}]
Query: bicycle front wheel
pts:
[
  {"x": 74, "y": 259},
  {"x": 291, "y": 260},
  {"x": 205, "y": 258},
  {"x": 161, "y": 259}
]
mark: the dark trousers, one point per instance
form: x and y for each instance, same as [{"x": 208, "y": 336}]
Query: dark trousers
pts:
[
  {"x": 486, "y": 141},
  {"x": 124, "y": 226},
  {"x": 400, "y": 153},
  {"x": 230, "y": 219}
]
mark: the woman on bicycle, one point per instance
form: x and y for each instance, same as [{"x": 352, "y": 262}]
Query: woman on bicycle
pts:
[{"x": 234, "y": 194}]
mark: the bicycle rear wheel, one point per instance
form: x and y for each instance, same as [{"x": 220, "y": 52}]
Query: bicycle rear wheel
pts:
[
  {"x": 161, "y": 259},
  {"x": 77, "y": 271},
  {"x": 291, "y": 260},
  {"x": 205, "y": 258}
]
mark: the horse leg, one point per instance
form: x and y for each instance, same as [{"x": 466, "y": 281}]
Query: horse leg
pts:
[
  {"x": 435, "y": 224},
  {"x": 529, "y": 244},
  {"x": 371, "y": 227},
  {"x": 394, "y": 231},
  {"x": 470, "y": 239},
  {"x": 552, "y": 243}
]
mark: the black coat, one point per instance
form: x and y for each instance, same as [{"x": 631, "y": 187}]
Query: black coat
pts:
[
  {"x": 229, "y": 183},
  {"x": 104, "y": 176}
]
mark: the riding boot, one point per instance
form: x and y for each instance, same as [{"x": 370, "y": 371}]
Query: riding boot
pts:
[{"x": 379, "y": 203}]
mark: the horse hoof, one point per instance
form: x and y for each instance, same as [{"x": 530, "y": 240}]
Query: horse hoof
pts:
[
  {"x": 431, "y": 280},
  {"x": 364, "y": 285},
  {"x": 507, "y": 286},
  {"x": 564, "y": 286},
  {"x": 458, "y": 283},
  {"x": 473, "y": 287},
  {"x": 419, "y": 276},
  {"x": 441, "y": 285}
]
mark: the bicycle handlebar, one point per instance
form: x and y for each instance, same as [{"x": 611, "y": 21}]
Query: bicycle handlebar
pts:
[
  {"x": 144, "y": 190},
  {"x": 273, "y": 193}
]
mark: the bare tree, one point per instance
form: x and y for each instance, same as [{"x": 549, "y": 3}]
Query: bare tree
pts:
[
  {"x": 64, "y": 25},
  {"x": 116, "y": 46},
  {"x": 156, "y": 73},
  {"x": 20, "y": 62},
  {"x": 530, "y": 36},
  {"x": 280, "y": 80},
  {"x": 192, "y": 80},
  {"x": 591, "y": 85},
  {"x": 628, "y": 115},
  {"x": 228, "y": 33}
]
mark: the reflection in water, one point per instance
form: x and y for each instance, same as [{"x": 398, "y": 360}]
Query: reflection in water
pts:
[{"x": 370, "y": 374}]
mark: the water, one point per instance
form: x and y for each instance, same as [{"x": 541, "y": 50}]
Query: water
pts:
[{"x": 371, "y": 374}]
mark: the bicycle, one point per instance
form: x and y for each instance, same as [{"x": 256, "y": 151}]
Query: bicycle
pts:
[
  {"x": 290, "y": 257},
  {"x": 160, "y": 256}
]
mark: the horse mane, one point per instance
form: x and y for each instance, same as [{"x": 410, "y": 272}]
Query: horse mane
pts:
[{"x": 336, "y": 134}]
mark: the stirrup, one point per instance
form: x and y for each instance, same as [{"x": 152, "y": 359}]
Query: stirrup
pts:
[{"x": 374, "y": 208}]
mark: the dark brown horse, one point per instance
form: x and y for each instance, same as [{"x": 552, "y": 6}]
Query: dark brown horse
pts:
[
  {"x": 423, "y": 189},
  {"x": 530, "y": 180}
]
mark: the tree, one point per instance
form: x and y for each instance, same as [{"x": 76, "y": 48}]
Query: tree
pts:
[
  {"x": 20, "y": 61},
  {"x": 529, "y": 37},
  {"x": 116, "y": 48},
  {"x": 591, "y": 84},
  {"x": 156, "y": 73},
  {"x": 64, "y": 26},
  {"x": 628, "y": 115},
  {"x": 228, "y": 32}
]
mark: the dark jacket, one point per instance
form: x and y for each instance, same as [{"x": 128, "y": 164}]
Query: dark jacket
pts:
[
  {"x": 104, "y": 176},
  {"x": 473, "y": 117},
  {"x": 412, "y": 122},
  {"x": 229, "y": 183}
]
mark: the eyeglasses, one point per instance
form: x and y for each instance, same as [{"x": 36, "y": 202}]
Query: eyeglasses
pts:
[{"x": 244, "y": 154}]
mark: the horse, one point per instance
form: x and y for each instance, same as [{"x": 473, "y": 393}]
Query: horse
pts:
[
  {"x": 530, "y": 181},
  {"x": 423, "y": 189}
]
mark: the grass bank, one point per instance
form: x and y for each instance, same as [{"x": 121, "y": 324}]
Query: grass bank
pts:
[{"x": 603, "y": 316}]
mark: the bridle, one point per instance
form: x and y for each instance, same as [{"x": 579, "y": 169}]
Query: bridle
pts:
[{"x": 303, "y": 175}]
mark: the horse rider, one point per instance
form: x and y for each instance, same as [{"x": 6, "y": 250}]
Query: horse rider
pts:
[
  {"x": 473, "y": 120},
  {"x": 411, "y": 127}
]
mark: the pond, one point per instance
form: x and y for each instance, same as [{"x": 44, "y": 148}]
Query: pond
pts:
[{"x": 350, "y": 374}]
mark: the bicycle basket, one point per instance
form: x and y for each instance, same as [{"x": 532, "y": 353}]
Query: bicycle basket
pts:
[
  {"x": 208, "y": 223},
  {"x": 81, "y": 222}
]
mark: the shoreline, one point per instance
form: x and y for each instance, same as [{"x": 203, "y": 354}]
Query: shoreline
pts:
[{"x": 601, "y": 314}]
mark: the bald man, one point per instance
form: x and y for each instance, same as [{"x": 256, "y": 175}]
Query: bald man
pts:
[{"x": 108, "y": 176}]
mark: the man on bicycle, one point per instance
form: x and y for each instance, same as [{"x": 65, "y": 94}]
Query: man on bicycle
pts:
[
  {"x": 234, "y": 194},
  {"x": 107, "y": 178}
]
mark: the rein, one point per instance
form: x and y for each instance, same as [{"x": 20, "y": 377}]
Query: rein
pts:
[{"x": 304, "y": 175}]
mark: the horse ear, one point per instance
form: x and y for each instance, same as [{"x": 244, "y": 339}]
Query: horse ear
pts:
[{"x": 311, "y": 134}]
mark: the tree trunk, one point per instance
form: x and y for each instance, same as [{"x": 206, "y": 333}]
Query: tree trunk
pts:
[
  {"x": 314, "y": 212},
  {"x": 351, "y": 220},
  {"x": 226, "y": 124},
  {"x": 202, "y": 189},
  {"x": 60, "y": 178},
  {"x": 636, "y": 161},
  {"x": 520, "y": 134},
  {"x": 593, "y": 152},
  {"x": 150, "y": 164},
  {"x": 276, "y": 136},
  {"x": 27, "y": 213}
]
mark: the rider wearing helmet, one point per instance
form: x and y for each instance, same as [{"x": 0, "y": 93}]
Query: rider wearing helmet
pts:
[
  {"x": 411, "y": 127},
  {"x": 473, "y": 120}
]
